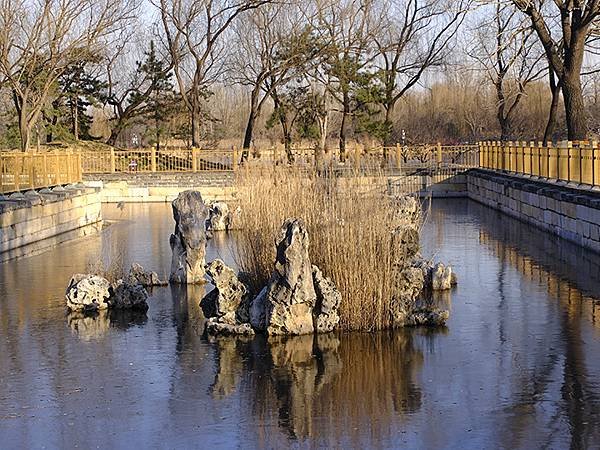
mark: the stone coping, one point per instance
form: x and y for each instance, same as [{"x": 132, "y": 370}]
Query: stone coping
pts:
[
  {"x": 558, "y": 190},
  {"x": 27, "y": 199}
]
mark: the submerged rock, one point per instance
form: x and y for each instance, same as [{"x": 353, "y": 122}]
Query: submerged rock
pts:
[
  {"x": 128, "y": 296},
  {"x": 285, "y": 305},
  {"x": 87, "y": 293},
  {"x": 216, "y": 327},
  {"x": 188, "y": 241},
  {"x": 138, "y": 275}
]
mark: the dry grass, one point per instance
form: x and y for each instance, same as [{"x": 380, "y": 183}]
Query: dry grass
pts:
[
  {"x": 350, "y": 221},
  {"x": 112, "y": 267}
]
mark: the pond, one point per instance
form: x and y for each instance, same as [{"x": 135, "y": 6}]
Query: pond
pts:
[{"x": 516, "y": 367}]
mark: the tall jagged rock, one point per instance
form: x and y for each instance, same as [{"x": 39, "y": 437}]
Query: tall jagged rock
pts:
[
  {"x": 285, "y": 305},
  {"x": 188, "y": 241}
]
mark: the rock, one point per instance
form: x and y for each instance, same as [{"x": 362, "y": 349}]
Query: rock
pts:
[
  {"x": 431, "y": 317},
  {"x": 220, "y": 218},
  {"x": 215, "y": 327},
  {"x": 285, "y": 306},
  {"x": 409, "y": 283},
  {"x": 453, "y": 279},
  {"x": 138, "y": 275},
  {"x": 406, "y": 242},
  {"x": 87, "y": 293},
  {"x": 227, "y": 301},
  {"x": 441, "y": 277},
  {"x": 188, "y": 241},
  {"x": 327, "y": 303},
  {"x": 128, "y": 296}
]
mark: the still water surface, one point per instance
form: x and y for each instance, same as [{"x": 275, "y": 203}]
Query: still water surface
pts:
[{"x": 517, "y": 367}]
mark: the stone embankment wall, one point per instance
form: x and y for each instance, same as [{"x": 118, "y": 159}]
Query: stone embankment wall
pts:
[
  {"x": 146, "y": 187},
  {"x": 567, "y": 211},
  {"x": 33, "y": 216}
]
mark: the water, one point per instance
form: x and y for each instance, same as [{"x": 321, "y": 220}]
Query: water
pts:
[{"x": 517, "y": 366}]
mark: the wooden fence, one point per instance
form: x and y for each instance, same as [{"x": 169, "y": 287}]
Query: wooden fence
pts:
[
  {"x": 571, "y": 162},
  {"x": 355, "y": 157},
  {"x": 21, "y": 171}
]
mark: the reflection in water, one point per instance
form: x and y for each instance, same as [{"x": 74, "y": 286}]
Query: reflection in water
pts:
[
  {"x": 94, "y": 325},
  {"x": 320, "y": 383},
  {"x": 517, "y": 366}
]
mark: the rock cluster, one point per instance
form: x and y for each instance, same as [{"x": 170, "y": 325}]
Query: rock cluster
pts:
[
  {"x": 90, "y": 293},
  {"x": 138, "y": 275},
  {"x": 188, "y": 241},
  {"x": 297, "y": 300},
  {"x": 221, "y": 217}
]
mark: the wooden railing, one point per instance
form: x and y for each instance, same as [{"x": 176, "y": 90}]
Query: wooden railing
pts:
[
  {"x": 571, "y": 162},
  {"x": 21, "y": 171},
  {"x": 150, "y": 160}
]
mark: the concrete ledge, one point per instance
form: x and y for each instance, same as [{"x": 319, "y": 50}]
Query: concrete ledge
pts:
[
  {"x": 34, "y": 216},
  {"x": 570, "y": 212}
]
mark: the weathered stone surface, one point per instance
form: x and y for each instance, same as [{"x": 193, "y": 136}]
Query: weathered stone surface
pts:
[
  {"x": 327, "y": 303},
  {"x": 285, "y": 306},
  {"x": 221, "y": 217},
  {"x": 227, "y": 301},
  {"x": 128, "y": 296},
  {"x": 441, "y": 277},
  {"x": 432, "y": 317},
  {"x": 138, "y": 275},
  {"x": 215, "y": 327},
  {"x": 87, "y": 293},
  {"x": 188, "y": 241}
]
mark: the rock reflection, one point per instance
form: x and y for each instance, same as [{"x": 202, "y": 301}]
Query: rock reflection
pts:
[
  {"x": 321, "y": 384},
  {"x": 94, "y": 326}
]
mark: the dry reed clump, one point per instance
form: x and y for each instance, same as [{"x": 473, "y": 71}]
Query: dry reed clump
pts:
[
  {"x": 112, "y": 268},
  {"x": 350, "y": 222}
]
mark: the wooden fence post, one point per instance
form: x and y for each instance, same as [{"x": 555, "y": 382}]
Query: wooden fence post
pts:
[
  {"x": 439, "y": 153},
  {"x": 153, "y": 159},
  {"x": 398, "y": 157},
  {"x": 112, "y": 161},
  {"x": 234, "y": 159},
  {"x": 194, "y": 160}
]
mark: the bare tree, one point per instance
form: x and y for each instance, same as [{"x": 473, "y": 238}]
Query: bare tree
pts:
[
  {"x": 563, "y": 27},
  {"x": 415, "y": 37},
  {"x": 274, "y": 43},
  {"x": 506, "y": 50},
  {"x": 194, "y": 31},
  {"x": 40, "y": 40}
]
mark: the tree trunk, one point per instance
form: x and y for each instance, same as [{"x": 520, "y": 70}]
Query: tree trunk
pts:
[
  {"x": 251, "y": 122},
  {"x": 551, "y": 124},
  {"x": 389, "y": 110},
  {"x": 342, "y": 135},
  {"x": 24, "y": 130},
  {"x": 574, "y": 107},
  {"x": 196, "y": 133},
  {"x": 75, "y": 117}
]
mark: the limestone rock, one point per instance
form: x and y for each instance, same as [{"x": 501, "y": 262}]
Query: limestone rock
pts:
[
  {"x": 138, "y": 275},
  {"x": 288, "y": 300},
  {"x": 129, "y": 296},
  {"x": 87, "y": 293},
  {"x": 221, "y": 217},
  {"x": 227, "y": 301},
  {"x": 441, "y": 277},
  {"x": 327, "y": 303},
  {"x": 188, "y": 241},
  {"x": 432, "y": 317},
  {"x": 215, "y": 327}
]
